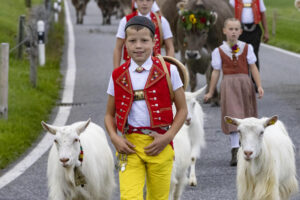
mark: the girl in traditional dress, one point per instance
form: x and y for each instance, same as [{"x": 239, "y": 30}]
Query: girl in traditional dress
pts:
[{"x": 236, "y": 59}]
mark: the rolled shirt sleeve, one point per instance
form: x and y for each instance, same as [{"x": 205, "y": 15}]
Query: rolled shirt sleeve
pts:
[{"x": 216, "y": 61}]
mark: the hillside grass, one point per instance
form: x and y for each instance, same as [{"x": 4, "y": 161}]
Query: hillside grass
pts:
[
  {"x": 27, "y": 106},
  {"x": 287, "y": 26}
]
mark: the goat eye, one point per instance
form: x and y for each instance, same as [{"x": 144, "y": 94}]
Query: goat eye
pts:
[
  {"x": 75, "y": 140},
  {"x": 261, "y": 133},
  {"x": 56, "y": 141}
]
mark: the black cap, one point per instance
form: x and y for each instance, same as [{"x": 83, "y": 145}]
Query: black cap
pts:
[{"x": 142, "y": 21}]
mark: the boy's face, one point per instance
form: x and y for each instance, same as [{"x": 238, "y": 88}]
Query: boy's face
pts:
[
  {"x": 144, "y": 6},
  {"x": 232, "y": 30},
  {"x": 139, "y": 44}
]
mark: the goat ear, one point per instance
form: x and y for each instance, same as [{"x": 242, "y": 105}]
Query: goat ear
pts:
[
  {"x": 231, "y": 120},
  {"x": 82, "y": 126},
  {"x": 198, "y": 92},
  {"x": 51, "y": 129},
  {"x": 271, "y": 121}
]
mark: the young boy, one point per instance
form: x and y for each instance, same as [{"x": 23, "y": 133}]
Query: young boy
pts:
[
  {"x": 139, "y": 116},
  {"x": 165, "y": 34},
  {"x": 235, "y": 58},
  {"x": 154, "y": 8}
]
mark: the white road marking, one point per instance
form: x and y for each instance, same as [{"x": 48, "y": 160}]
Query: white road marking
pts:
[{"x": 62, "y": 114}]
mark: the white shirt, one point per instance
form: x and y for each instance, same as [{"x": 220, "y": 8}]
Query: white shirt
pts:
[
  {"x": 154, "y": 8},
  {"x": 247, "y": 13},
  {"x": 139, "y": 114},
  {"x": 216, "y": 61},
  {"x": 167, "y": 33}
]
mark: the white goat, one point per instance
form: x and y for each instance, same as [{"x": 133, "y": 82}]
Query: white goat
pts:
[
  {"x": 96, "y": 166},
  {"x": 187, "y": 145},
  {"x": 195, "y": 123},
  {"x": 297, "y": 4},
  {"x": 266, "y": 160}
]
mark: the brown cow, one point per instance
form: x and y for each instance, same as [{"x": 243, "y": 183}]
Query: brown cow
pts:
[
  {"x": 125, "y": 6},
  {"x": 80, "y": 7},
  {"x": 107, "y": 8},
  {"x": 196, "y": 44}
]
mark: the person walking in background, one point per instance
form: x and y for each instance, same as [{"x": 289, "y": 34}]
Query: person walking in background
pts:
[
  {"x": 162, "y": 35},
  {"x": 139, "y": 108},
  {"x": 235, "y": 58},
  {"x": 155, "y": 8},
  {"x": 251, "y": 13}
]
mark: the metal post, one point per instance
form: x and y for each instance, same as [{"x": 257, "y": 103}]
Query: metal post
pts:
[
  {"x": 4, "y": 66},
  {"x": 55, "y": 8},
  {"x": 41, "y": 41},
  {"x": 19, "y": 54}
]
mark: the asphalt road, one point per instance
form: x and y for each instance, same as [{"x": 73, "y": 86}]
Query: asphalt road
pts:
[{"x": 216, "y": 179}]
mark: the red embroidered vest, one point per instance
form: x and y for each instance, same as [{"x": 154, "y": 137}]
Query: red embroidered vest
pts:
[
  {"x": 239, "y": 5},
  {"x": 156, "y": 48},
  {"x": 156, "y": 93}
]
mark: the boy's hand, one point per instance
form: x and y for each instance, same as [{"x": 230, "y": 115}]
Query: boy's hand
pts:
[
  {"x": 122, "y": 145},
  {"x": 159, "y": 143},
  {"x": 260, "y": 92},
  {"x": 207, "y": 97}
]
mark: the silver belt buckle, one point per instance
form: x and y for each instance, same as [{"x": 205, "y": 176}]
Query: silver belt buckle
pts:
[
  {"x": 252, "y": 28},
  {"x": 146, "y": 131}
]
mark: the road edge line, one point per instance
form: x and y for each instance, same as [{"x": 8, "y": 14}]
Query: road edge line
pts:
[{"x": 62, "y": 114}]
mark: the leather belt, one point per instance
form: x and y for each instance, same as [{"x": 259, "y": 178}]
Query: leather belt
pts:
[{"x": 146, "y": 130}]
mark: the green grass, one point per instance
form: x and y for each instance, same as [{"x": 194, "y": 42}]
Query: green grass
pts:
[
  {"x": 27, "y": 106},
  {"x": 287, "y": 26}
]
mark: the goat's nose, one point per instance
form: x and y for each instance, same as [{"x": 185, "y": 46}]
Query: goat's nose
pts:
[
  {"x": 192, "y": 54},
  {"x": 248, "y": 153},
  {"x": 64, "y": 160}
]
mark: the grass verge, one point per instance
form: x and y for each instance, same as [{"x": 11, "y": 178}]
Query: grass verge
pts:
[
  {"x": 27, "y": 106},
  {"x": 287, "y": 24}
]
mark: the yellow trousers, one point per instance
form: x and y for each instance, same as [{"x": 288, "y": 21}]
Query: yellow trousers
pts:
[{"x": 156, "y": 170}]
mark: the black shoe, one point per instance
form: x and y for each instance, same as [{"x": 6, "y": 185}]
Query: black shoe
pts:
[{"x": 233, "y": 161}]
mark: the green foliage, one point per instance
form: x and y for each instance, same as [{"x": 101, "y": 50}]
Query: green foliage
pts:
[
  {"x": 287, "y": 24},
  {"x": 196, "y": 21},
  {"x": 27, "y": 106}
]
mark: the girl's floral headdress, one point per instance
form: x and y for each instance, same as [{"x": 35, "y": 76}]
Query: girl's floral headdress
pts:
[{"x": 199, "y": 20}]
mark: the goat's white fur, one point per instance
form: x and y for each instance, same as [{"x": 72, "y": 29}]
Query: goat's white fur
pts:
[
  {"x": 297, "y": 4},
  {"x": 97, "y": 165},
  {"x": 195, "y": 130},
  {"x": 187, "y": 145},
  {"x": 266, "y": 160}
]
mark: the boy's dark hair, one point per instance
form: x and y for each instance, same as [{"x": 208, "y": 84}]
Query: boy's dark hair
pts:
[{"x": 138, "y": 28}]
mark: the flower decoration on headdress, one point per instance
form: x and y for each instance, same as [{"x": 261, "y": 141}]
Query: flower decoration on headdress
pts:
[
  {"x": 196, "y": 20},
  {"x": 235, "y": 48}
]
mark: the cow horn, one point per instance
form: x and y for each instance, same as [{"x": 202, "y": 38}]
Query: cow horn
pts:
[
  {"x": 180, "y": 5},
  {"x": 199, "y": 2},
  {"x": 215, "y": 17}
]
